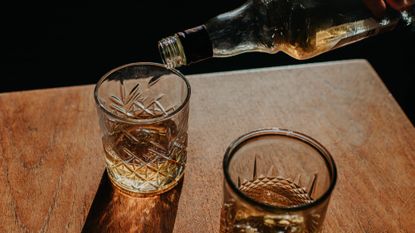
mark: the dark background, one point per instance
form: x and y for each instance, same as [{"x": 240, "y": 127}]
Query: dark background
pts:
[{"x": 65, "y": 45}]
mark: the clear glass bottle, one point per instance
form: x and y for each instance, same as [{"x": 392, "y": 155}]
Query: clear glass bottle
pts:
[{"x": 300, "y": 28}]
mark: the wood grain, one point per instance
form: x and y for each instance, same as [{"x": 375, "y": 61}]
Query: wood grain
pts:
[
  {"x": 50, "y": 159},
  {"x": 52, "y": 163},
  {"x": 114, "y": 211}
]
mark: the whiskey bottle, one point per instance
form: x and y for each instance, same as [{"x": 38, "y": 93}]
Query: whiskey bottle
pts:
[{"x": 300, "y": 28}]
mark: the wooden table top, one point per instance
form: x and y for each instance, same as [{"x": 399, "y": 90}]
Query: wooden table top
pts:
[{"x": 52, "y": 163}]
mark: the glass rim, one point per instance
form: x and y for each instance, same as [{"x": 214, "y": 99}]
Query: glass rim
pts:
[
  {"x": 324, "y": 153},
  {"x": 141, "y": 121}
]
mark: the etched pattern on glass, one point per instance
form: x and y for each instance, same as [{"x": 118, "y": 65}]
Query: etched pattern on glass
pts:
[
  {"x": 273, "y": 190},
  {"x": 150, "y": 156},
  {"x": 139, "y": 105}
]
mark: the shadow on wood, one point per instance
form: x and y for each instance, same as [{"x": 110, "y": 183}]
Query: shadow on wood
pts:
[{"x": 113, "y": 211}]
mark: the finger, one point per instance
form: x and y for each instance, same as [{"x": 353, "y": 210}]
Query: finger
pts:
[
  {"x": 400, "y": 4},
  {"x": 377, "y": 7},
  {"x": 396, "y": 4}
]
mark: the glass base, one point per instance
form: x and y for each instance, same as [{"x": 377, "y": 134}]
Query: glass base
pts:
[{"x": 143, "y": 192}]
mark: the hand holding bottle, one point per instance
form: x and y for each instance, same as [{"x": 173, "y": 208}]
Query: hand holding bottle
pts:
[{"x": 378, "y": 7}]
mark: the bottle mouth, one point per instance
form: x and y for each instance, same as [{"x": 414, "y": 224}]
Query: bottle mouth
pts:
[{"x": 172, "y": 52}]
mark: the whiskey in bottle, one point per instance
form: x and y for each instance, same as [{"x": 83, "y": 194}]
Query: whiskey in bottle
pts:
[{"x": 300, "y": 28}]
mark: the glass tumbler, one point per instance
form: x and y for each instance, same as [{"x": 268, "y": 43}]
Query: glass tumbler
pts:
[
  {"x": 276, "y": 180},
  {"x": 143, "y": 111}
]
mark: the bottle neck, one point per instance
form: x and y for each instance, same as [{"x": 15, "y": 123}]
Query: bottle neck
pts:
[
  {"x": 225, "y": 35},
  {"x": 186, "y": 47}
]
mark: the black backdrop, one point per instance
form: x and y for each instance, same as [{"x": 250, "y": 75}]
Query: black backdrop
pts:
[{"x": 64, "y": 45}]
